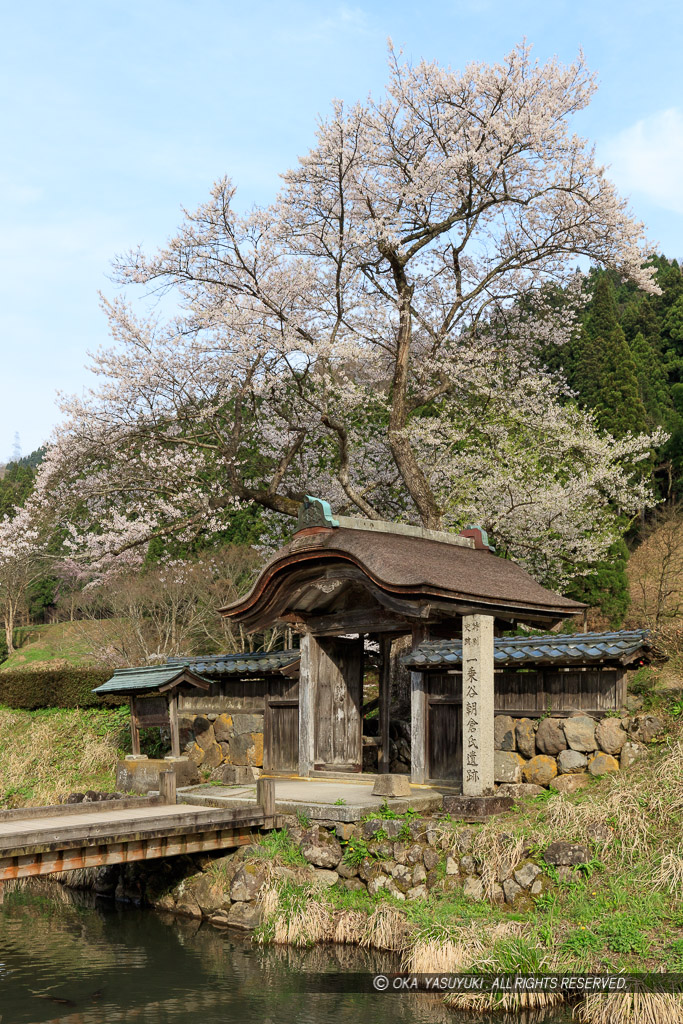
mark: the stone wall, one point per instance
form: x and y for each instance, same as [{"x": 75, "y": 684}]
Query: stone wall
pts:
[
  {"x": 216, "y": 741},
  {"x": 564, "y": 752},
  {"x": 535, "y": 751},
  {"x": 404, "y": 859}
]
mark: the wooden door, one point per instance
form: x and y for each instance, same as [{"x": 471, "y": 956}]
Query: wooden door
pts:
[
  {"x": 338, "y": 704},
  {"x": 281, "y": 736},
  {"x": 444, "y": 740}
]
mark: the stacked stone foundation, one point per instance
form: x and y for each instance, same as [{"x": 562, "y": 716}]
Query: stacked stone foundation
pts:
[
  {"x": 215, "y": 742},
  {"x": 563, "y": 753},
  {"x": 404, "y": 860}
]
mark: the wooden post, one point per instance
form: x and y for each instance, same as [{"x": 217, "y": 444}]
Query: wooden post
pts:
[
  {"x": 167, "y": 787},
  {"x": 477, "y": 705},
  {"x": 134, "y": 728},
  {"x": 419, "y": 754},
  {"x": 307, "y": 681},
  {"x": 384, "y": 701},
  {"x": 173, "y": 720},
  {"x": 541, "y": 695},
  {"x": 265, "y": 797}
]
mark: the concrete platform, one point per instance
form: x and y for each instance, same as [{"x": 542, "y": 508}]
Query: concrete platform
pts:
[{"x": 318, "y": 798}]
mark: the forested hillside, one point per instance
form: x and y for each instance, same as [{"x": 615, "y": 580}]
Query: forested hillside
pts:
[{"x": 625, "y": 363}]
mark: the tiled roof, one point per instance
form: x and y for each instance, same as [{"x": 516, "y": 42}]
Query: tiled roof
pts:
[
  {"x": 138, "y": 680},
  {"x": 151, "y": 677},
  {"x": 622, "y": 646},
  {"x": 260, "y": 663}
]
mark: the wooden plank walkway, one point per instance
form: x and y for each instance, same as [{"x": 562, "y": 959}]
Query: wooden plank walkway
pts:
[
  {"x": 99, "y": 821},
  {"x": 44, "y": 840}
]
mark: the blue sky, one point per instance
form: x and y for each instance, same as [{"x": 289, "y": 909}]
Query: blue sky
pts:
[{"x": 116, "y": 113}]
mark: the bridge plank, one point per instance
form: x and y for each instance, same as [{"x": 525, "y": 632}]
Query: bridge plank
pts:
[
  {"x": 121, "y": 826},
  {"x": 67, "y": 810},
  {"x": 37, "y": 863}
]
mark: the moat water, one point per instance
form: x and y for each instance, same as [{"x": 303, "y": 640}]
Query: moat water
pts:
[{"x": 66, "y": 958}]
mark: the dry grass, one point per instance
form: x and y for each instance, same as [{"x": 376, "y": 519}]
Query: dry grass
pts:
[
  {"x": 269, "y": 898},
  {"x": 503, "y": 1002},
  {"x": 436, "y": 956},
  {"x": 349, "y": 926},
  {"x": 639, "y": 804},
  {"x": 311, "y": 924},
  {"x": 670, "y": 872},
  {"x": 311, "y": 917},
  {"x": 47, "y": 755},
  {"x": 386, "y": 928},
  {"x": 498, "y": 854},
  {"x": 465, "y": 949},
  {"x": 630, "y": 1008}
]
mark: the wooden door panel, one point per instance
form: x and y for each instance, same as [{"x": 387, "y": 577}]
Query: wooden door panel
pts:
[
  {"x": 444, "y": 740},
  {"x": 281, "y": 736},
  {"x": 338, "y": 706}
]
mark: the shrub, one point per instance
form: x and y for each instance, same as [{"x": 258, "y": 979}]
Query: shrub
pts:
[{"x": 55, "y": 688}]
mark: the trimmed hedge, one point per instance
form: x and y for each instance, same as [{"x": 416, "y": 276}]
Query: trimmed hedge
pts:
[{"x": 55, "y": 688}]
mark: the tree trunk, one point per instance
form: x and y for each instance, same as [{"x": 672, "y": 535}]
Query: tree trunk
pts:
[
  {"x": 9, "y": 626},
  {"x": 404, "y": 456}
]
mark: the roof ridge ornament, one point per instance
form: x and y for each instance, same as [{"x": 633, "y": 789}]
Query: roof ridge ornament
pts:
[
  {"x": 315, "y": 512},
  {"x": 478, "y": 535}
]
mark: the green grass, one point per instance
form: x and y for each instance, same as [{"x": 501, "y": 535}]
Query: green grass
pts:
[
  {"x": 48, "y": 645},
  {"x": 278, "y": 845},
  {"x": 356, "y": 850},
  {"x": 517, "y": 953},
  {"x": 388, "y": 813}
]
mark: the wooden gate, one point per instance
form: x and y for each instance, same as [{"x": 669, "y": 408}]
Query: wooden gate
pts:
[
  {"x": 338, "y": 705},
  {"x": 281, "y": 736}
]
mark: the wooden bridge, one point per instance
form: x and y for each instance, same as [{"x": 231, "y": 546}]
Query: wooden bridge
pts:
[{"x": 44, "y": 840}]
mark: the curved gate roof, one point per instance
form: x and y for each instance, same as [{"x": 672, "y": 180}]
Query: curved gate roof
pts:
[{"x": 406, "y": 573}]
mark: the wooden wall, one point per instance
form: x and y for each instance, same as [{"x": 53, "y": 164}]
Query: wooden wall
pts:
[
  {"x": 539, "y": 691},
  {"x": 234, "y": 695}
]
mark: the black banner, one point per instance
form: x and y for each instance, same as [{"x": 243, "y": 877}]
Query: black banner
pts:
[{"x": 564, "y": 984}]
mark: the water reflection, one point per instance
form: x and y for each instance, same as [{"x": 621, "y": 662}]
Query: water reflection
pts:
[{"x": 66, "y": 958}]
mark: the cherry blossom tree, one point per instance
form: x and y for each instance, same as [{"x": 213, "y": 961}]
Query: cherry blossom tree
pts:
[
  {"x": 367, "y": 337},
  {"x": 22, "y": 563}
]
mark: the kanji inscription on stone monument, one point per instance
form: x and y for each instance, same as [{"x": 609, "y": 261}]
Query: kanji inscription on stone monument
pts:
[{"x": 477, "y": 704}]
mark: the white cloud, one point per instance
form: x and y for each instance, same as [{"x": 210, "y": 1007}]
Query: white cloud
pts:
[
  {"x": 340, "y": 20},
  {"x": 647, "y": 158}
]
